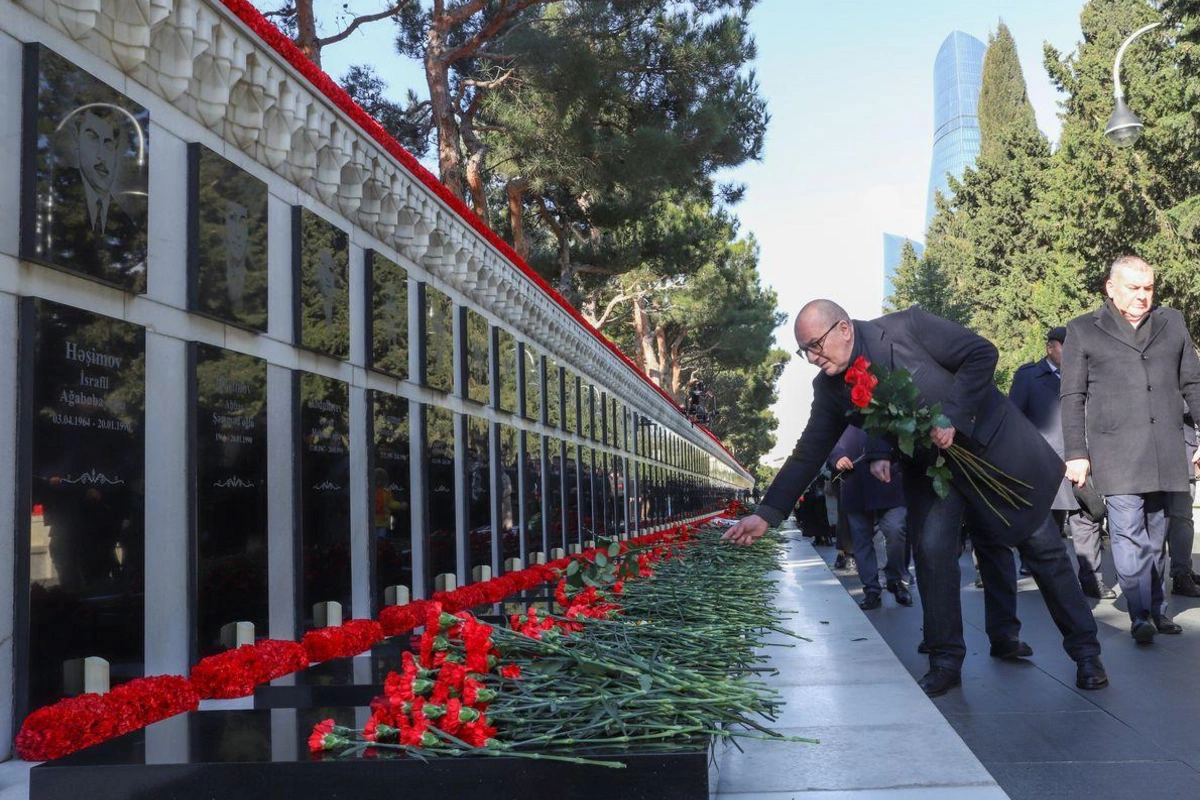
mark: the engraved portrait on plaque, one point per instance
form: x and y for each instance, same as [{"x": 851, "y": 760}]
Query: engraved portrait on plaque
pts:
[
  {"x": 227, "y": 245},
  {"x": 86, "y": 156}
]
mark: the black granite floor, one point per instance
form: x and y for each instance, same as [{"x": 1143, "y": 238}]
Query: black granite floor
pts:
[{"x": 1037, "y": 734}]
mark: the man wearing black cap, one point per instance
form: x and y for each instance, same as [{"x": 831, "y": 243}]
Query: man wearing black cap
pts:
[{"x": 1035, "y": 391}]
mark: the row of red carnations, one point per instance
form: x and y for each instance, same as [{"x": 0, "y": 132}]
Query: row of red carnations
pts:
[{"x": 77, "y": 722}]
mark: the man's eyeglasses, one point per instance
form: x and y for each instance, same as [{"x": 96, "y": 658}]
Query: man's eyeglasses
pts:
[{"x": 816, "y": 346}]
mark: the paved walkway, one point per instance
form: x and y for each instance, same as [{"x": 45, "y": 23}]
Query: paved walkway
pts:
[
  {"x": 1040, "y": 736},
  {"x": 880, "y": 736}
]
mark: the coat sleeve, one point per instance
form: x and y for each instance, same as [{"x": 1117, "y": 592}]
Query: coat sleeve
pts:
[
  {"x": 1189, "y": 369},
  {"x": 969, "y": 357},
  {"x": 1073, "y": 394},
  {"x": 826, "y": 422}
]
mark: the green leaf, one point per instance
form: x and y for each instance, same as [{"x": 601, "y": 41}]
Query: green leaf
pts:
[
  {"x": 572, "y": 568},
  {"x": 940, "y": 486},
  {"x": 601, "y": 560},
  {"x": 614, "y": 550},
  {"x": 645, "y": 682},
  {"x": 942, "y": 421},
  {"x": 905, "y": 442}
]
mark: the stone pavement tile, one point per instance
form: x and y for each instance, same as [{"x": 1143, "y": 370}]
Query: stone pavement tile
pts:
[
  {"x": 1092, "y": 736},
  {"x": 869, "y": 756},
  {"x": 854, "y": 704},
  {"x": 805, "y": 667},
  {"x": 1097, "y": 781},
  {"x": 918, "y": 793}
]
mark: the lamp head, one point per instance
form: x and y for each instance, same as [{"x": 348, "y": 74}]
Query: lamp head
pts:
[{"x": 1123, "y": 127}]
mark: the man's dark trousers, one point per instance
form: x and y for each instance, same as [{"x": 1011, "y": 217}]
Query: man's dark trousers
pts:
[
  {"x": 862, "y": 533},
  {"x": 1141, "y": 562},
  {"x": 1085, "y": 538},
  {"x": 1181, "y": 530},
  {"x": 998, "y": 571},
  {"x": 937, "y": 522}
]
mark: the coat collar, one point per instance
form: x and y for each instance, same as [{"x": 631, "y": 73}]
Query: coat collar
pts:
[
  {"x": 1123, "y": 332},
  {"x": 871, "y": 340}
]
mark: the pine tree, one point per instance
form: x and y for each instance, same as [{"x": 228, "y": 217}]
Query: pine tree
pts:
[{"x": 1003, "y": 98}]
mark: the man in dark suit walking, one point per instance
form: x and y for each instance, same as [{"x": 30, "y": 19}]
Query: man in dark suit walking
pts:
[
  {"x": 953, "y": 366},
  {"x": 1035, "y": 392},
  {"x": 867, "y": 501},
  {"x": 1127, "y": 368}
]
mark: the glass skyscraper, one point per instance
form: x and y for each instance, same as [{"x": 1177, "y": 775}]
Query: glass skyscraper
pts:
[
  {"x": 893, "y": 246},
  {"x": 957, "y": 75}
]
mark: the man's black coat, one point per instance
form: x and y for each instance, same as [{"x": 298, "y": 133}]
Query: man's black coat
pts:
[
  {"x": 1035, "y": 390},
  {"x": 1122, "y": 401},
  {"x": 950, "y": 365}
]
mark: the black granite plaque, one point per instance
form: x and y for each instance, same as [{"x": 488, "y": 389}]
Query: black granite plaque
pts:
[
  {"x": 556, "y": 493},
  {"x": 231, "y": 493},
  {"x": 554, "y": 391},
  {"x": 508, "y": 506},
  {"x": 86, "y": 157},
  {"x": 506, "y": 370},
  {"x": 572, "y": 494},
  {"x": 324, "y": 493},
  {"x": 389, "y": 316},
  {"x": 442, "y": 543},
  {"x": 587, "y": 413},
  {"x": 321, "y": 261},
  {"x": 534, "y": 534},
  {"x": 531, "y": 364},
  {"x": 587, "y": 496},
  {"x": 391, "y": 494},
  {"x": 570, "y": 402},
  {"x": 227, "y": 247},
  {"x": 479, "y": 493},
  {"x": 479, "y": 339},
  {"x": 438, "y": 328},
  {"x": 85, "y": 379},
  {"x": 617, "y": 482}
]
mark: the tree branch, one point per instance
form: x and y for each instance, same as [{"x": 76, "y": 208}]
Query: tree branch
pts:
[{"x": 390, "y": 11}]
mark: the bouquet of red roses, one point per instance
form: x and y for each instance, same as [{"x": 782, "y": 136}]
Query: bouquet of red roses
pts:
[{"x": 889, "y": 403}]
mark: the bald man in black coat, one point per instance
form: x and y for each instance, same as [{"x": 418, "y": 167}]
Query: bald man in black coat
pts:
[{"x": 953, "y": 366}]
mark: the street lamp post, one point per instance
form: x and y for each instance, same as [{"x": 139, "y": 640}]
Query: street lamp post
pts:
[{"x": 1124, "y": 127}]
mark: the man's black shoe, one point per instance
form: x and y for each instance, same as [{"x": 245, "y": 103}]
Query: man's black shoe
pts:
[
  {"x": 978, "y": 581},
  {"x": 939, "y": 680},
  {"x": 1024, "y": 571},
  {"x": 870, "y": 601},
  {"x": 1184, "y": 584},
  {"x": 1090, "y": 674},
  {"x": 1101, "y": 591},
  {"x": 922, "y": 648},
  {"x": 1011, "y": 649},
  {"x": 1167, "y": 625},
  {"x": 1142, "y": 631},
  {"x": 840, "y": 561},
  {"x": 903, "y": 597}
]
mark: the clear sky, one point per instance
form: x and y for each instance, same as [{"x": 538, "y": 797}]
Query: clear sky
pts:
[{"x": 850, "y": 91}]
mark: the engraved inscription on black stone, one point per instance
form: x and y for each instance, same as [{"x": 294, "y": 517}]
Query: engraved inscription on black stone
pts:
[
  {"x": 442, "y": 549},
  {"x": 554, "y": 384},
  {"x": 391, "y": 493},
  {"x": 439, "y": 340},
  {"x": 231, "y": 493},
  {"x": 509, "y": 483},
  {"x": 389, "y": 317},
  {"x": 534, "y": 535},
  {"x": 322, "y": 258},
  {"x": 87, "y": 534},
  {"x": 478, "y": 361},
  {"x": 229, "y": 252},
  {"x": 479, "y": 494},
  {"x": 324, "y": 492},
  {"x": 86, "y": 160}
]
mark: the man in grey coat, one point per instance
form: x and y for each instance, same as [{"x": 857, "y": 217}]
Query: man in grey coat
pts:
[
  {"x": 1035, "y": 392},
  {"x": 1127, "y": 368}
]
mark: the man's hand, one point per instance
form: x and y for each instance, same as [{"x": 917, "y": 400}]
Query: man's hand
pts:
[
  {"x": 1077, "y": 470},
  {"x": 942, "y": 437},
  {"x": 882, "y": 470},
  {"x": 844, "y": 463},
  {"x": 748, "y": 530}
]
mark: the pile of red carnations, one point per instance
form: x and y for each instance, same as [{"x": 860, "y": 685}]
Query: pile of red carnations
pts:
[{"x": 88, "y": 719}]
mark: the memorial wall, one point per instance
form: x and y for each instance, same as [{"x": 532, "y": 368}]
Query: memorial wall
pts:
[{"x": 253, "y": 361}]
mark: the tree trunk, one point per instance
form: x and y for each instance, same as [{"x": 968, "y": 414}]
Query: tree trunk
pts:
[
  {"x": 646, "y": 353},
  {"x": 475, "y": 161},
  {"x": 677, "y": 368},
  {"x": 437, "y": 75},
  {"x": 515, "y": 190},
  {"x": 306, "y": 31}
]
